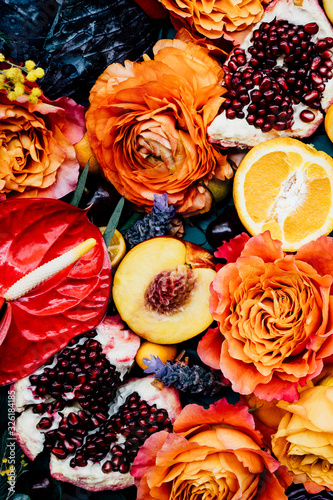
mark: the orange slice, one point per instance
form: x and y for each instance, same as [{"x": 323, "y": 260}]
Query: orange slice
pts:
[
  {"x": 284, "y": 186},
  {"x": 84, "y": 155},
  {"x": 117, "y": 247},
  {"x": 329, "y": 122}
]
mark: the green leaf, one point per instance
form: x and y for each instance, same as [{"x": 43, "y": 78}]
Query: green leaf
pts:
[
  {"x": 77, "y": 195},
  {"x": 113, "y": 222}
]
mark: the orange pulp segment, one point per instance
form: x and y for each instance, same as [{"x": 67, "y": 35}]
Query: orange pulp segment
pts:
[{"x": 285, "y": 186}]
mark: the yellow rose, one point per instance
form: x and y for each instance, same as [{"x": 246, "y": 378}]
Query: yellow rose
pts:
[{"x": 304, "y": 439}]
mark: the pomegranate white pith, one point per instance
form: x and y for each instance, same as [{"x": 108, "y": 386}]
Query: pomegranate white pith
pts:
[
  {"x": 78, "y": 408},
  {"x": 279, "y": 80}
]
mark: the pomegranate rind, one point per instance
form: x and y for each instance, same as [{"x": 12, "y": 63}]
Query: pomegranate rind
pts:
[
  {"x": 91, "y": 477},
  {"x": 237, "y": 132},
  {"x": 120, "y": 346}
]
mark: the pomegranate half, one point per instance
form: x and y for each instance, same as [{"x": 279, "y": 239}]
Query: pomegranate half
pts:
[
  {"x": 78, "y": 408},
  {"x": 279, "y": 80}
]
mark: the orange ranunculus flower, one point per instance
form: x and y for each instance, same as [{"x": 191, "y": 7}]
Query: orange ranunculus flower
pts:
[
  {"x": 212, "y": 453},
  {"x": 304, "y": 439},
  {"x": 275, "y": 316},
  {"x": 37, "y": 156},
  {"x": 147, "y": 126},
  {"x": 214, "y": 18}
]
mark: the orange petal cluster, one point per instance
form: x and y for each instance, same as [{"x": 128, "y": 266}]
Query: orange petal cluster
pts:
[
  {"x": 147, "y": 126},
  {"x": 214, "y": 18},
  {"x": 304, "y": 438},
  {"x": 275, "y": 315},
  {"x": 37, "y": 156},
  {"x": 213, "y": 453}
]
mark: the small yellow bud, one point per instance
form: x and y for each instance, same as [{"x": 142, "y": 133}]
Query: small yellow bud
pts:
[
  {"x": 31, "y": 76},
  {"x": 5, "y": 460},
  {"x": 2, "y": 57},
  {"x": 14, "y": 74},
  {"x": 32, "y": 99},
  {"x": 29, "y": 65},
  {"x": 12, "y": 96},
  {"x": 36, "y": 92},
  {"x": 40, "y": 72},
  {"x": 19, "y": 89}
]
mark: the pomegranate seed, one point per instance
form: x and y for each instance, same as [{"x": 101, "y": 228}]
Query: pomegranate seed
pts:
[
  {"x": 250, "y": 119},
  {"x": 326, "y": 55},
  {"x": 59, "y": 452},
  {"x": 328, "y": 63},
  {"x": 321, "y": 45},
  {"x": 279, "y": 125},
  {"x": 329, "y": 42},
  {"x": 269, "y": 94},
  {"x": 38, "y": 408},
  {"x": 241, "y": 59},
  {"x": 311, "y": 28},
  {"x": 254, "y": 62},
  {"x": 107, "y": 467},
  {"x": 44, "y": 423},
  {"x": 311, "y": 96},
  {"x": 267, "y": 127},
  {"x": 237, "y": 105},
  {"x": 284, "y": 46},
  {"x": 231, "y": 113},
  {"x": 255, "y": 95},
  {"x": 307, "y": 116},
  {"x": 271, "y": 118},
  {"x": 244, "y": 98},
  {"x": 69, "y": 445},
  {"x": 248, "y": 84},
  {"x": 259, "y": 122},
  {"x": 124, "y": 467},
  {"x": 232, "y": 65},
  {"x": 76, "y": 440},
  {"x": 261, "y": 112},
  {"x": 81, "y": 460}
]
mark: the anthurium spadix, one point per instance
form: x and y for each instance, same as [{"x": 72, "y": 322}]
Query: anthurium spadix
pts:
[{"x": 54, "y": 281}]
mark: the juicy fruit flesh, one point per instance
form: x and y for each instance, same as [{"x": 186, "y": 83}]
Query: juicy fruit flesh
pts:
[
  {"x": 138, "y": 268},
  {"x": 279, "y": 79},
  {"x": 76, "y": 408},
  {"x": 294, "y": 204}
]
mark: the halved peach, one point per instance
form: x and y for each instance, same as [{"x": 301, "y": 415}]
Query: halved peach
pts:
[{"x": 161, "y": 289}]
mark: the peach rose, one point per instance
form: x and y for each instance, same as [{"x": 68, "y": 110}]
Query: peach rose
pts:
[
  {"x": 213, "y": 453},
  {"x": 304, "y": 439},
  {"x": 147, "y": 126},
  {"x": 214, "y": 18},
  {"x": 37, "y": 156},
  {"x": 275, "y": 316}
]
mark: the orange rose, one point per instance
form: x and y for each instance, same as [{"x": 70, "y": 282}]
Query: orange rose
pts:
[
  {"x": 214, "y": 18},
  {"x": 213, "y": 453},
  {"x": 37, "y": 156},
  {"x": 275, "y": 315},
  {"x": 147, "y": 126},
  {"x": 304, "y": 439}
]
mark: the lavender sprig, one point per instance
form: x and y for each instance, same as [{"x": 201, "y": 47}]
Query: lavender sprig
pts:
[
  {"x": 154, "y": 224},
  {"x": 194, "y": 379}
]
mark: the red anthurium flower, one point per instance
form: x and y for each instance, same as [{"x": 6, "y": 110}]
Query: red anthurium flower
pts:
[{"x": 73, "y": 301}]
